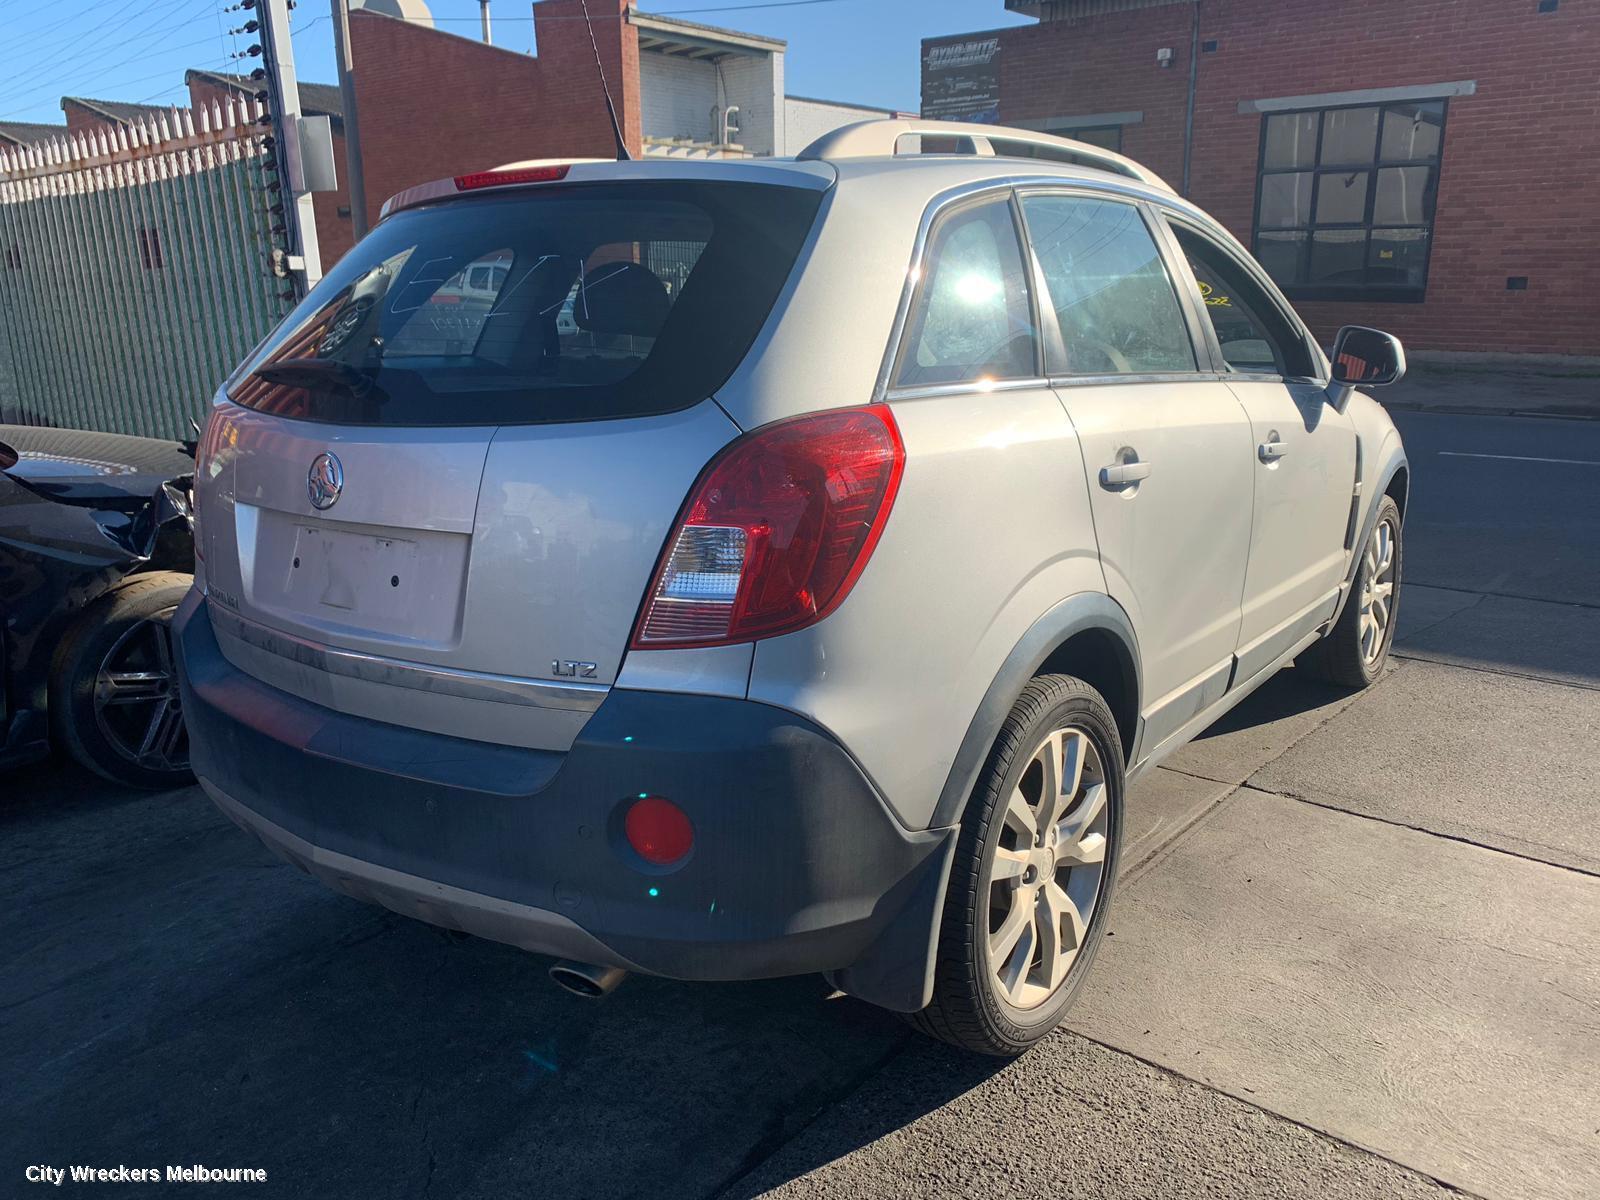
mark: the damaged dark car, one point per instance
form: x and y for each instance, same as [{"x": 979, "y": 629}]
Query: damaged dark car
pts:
[{"x": 96, "y": 552}]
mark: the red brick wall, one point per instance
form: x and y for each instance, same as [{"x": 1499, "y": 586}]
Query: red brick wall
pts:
[
  {"x": 1517, "y": 192},
  {"x": 434, "y": 104},
  {"x": 85, "y": 120}
]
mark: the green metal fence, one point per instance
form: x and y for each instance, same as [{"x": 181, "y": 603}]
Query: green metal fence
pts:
[{"x": 135, "y": 271}]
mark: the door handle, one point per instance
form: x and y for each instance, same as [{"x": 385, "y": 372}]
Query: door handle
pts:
[
  {"x": 1120, "y": 474},
  {"x": 1271, "y": 450}
]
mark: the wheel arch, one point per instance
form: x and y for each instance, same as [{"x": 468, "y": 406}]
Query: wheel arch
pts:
[{"x": 1087, "y": 635}]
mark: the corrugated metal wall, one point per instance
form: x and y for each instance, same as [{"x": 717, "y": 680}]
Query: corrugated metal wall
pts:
[{"x": 135, "y": 272}]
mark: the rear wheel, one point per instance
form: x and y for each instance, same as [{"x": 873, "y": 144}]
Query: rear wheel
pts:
[
  {"x": 114, "y": 701},
  {"x": 1355, "y": 649},
  {"x": 1033, "y": 875}
]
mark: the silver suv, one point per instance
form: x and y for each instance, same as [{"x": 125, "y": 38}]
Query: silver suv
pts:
[{"x": 807, "y": 597}]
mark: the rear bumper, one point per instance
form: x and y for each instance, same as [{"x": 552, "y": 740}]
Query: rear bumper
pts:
[{"x": 798, "y": 866}]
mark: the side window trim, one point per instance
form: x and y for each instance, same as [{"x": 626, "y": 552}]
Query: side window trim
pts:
[
  {"x": 1051, "y": 342},
  {"x": 1262, "y": 280}
]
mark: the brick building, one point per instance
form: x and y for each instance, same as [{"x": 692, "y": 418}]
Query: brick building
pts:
[{"x": 1427, "y": 167}]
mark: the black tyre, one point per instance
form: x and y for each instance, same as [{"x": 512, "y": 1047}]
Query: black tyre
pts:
[
  {"x": 1035, "y": 866},
  {"x": 1355, "y": 649},
  {"x": 114, "y": 701}
]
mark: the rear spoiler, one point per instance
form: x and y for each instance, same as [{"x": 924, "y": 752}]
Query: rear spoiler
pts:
[{"x": 533, "y": 170}]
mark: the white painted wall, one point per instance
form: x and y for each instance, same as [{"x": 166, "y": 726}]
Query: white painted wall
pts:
[
  {"x": 807, "y": 120},
  {"x": 677, "y": 94}
]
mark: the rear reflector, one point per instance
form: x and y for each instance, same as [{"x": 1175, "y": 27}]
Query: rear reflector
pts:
[
  {"x": 483, "y": 179},
  {"x": 776, "y": 531},
  {"x": 658, "y": 830}
]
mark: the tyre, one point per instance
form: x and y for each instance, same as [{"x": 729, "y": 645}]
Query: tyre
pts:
[
  {"x": 1353, "y": 652},
  {"x": 114, "y": 701},
  {"x": 1035, "y": 865}
]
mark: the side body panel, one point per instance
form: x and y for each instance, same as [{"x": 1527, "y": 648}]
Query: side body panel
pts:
[
  {"x": 990, "y": 530},
  {"x": 1174, "y": 545},
  {"x": 1302, "y": 512}
]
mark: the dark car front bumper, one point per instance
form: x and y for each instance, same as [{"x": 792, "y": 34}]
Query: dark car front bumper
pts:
[{"x": 797, "y": 866}]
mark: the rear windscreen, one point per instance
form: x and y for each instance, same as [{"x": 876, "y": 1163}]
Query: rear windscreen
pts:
[{"x": 560, "y": 303}]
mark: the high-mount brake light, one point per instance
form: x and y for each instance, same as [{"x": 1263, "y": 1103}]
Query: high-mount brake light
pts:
[
  {"x": 776, "y": 530},
  {"x": 484, "y": 179}
]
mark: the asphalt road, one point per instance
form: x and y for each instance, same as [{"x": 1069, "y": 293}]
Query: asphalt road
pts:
[{"x": 1356, "y": 952}]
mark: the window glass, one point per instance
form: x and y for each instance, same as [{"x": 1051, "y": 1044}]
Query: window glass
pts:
[
  {"x": 1113, "y": 299},
  {"x": 1253, "y": 333},
  {"x": 564, "y": 302},
  {"x": 1291, "y": 140},
  {"x": 1412, "y": 131},
  {"x": 1402, "y": 195},
  {"x": 1349, "y": 135},
  {"x": 1286, "y": 200},
  {"x": 971, "y": 319},
  {"x": 1342, "y": 197},
  {"x": 1345, "y": 199}
]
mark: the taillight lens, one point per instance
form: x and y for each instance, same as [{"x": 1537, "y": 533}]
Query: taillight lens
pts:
[
  {"x": 205, "y": 456},
  {"x": 776, "y": 530}
]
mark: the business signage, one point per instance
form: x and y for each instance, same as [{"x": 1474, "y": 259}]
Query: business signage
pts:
[{"x": 961, "y": 80}]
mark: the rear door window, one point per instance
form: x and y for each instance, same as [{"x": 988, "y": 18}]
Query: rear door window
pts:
[
  {"x": 1114, "y": 301},
  {"x": 565, "y": 302},
  {"x": 970, "y": 320}
]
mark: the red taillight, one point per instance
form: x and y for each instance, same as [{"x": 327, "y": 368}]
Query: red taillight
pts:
[
  {"x": 776, "y": 531},
  {"x": 658, "y": 830},
  {"x": 483, "y": 179}
]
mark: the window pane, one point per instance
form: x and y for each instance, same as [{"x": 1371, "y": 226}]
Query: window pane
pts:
[
  {"x": 1118, "y": 311},
  {"x": 971, "y": 319},
  {"x": 1283, "y": 255},
  {"x": 1286, "y": 199},
  {"x": 1349, "y": 135},
  {"x": 1412, "y": 130},
  {"x": 1402, "y": 196},
  {"x": 1253, "y": 334},
  {"x": 1291, "y": 140},
  {"x": 1342, "y": 197},
  {"x": 1398, "y": 258},
  {"x": 1338, "y": 257}
]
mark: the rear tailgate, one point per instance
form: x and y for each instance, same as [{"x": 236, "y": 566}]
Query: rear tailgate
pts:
[
  {"x": 478, "y": 582},
  {"x": 432, "y": 501}
]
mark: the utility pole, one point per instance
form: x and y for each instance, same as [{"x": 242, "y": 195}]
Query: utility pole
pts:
[
  {"x": 352, "y": 122},
  {"x": 283, "y": 107}
]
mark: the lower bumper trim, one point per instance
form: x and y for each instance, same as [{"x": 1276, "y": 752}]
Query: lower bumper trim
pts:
[{"x": 533, "y": 929}]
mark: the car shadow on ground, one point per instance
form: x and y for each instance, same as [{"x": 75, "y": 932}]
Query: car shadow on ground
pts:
[{"x": 176, "y": 995}]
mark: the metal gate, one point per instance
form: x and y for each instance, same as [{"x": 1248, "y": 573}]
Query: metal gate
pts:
[{"x": 136, "y": 270}]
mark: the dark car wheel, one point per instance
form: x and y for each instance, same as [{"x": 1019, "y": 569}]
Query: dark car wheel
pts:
[
  {"x": 114, "y": 701},
  {"x": 1355, "y": 649},
  {"x": 1032, "y": 879}
]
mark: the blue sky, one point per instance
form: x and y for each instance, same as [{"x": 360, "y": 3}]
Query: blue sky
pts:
[{"x": 137, "y": 50}]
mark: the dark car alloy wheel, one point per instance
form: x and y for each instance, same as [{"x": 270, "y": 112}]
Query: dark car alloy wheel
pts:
[{"x": 136, "y": 701}]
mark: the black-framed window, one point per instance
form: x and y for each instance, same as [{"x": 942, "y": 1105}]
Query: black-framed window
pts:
[{"x": 1345, "y": 199}]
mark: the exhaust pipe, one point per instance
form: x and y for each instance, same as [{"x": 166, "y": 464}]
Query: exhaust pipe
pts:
[{"x": 589, "y": 980}]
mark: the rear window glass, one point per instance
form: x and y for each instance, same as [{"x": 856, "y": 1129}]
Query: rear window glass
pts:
[{"x": 570, "y": 302}]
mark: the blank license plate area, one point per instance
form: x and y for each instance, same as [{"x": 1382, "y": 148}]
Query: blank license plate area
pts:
[{"x": 404, "y": 585}]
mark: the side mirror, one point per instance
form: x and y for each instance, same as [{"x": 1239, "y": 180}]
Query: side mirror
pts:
[{"x": 1366, "y": 358}]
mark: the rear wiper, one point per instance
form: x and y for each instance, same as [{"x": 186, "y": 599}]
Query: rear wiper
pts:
[{"x": 314, "y": 372}]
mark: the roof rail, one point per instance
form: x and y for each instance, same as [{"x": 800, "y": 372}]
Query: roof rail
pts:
[{"x": 874, "y": 139}]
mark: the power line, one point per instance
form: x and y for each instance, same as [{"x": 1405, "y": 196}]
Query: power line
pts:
[{"x": 46, "y": 66}]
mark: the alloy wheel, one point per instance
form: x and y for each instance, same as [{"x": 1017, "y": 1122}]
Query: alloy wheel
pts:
[
  {"x": 1048, "y": 871},
  {"x": 137, "y": 704},
  {"x": 1377, "y": 592}
]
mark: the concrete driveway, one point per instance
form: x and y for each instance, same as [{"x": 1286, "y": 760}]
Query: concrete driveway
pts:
[{"x": 1356, "y": 952}]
